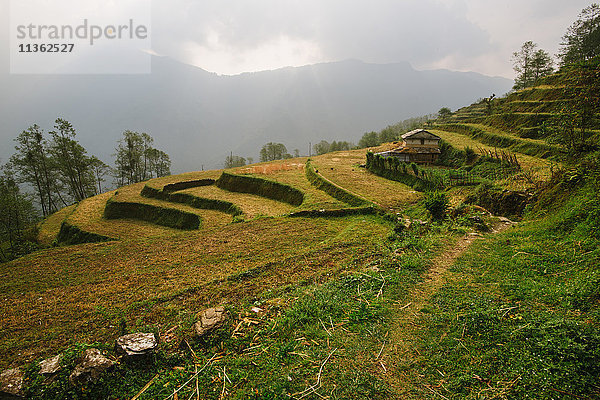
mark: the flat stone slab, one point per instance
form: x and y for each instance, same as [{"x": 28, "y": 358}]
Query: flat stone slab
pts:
[
  {"x": 136, "y": 344},
  {"x": 50, "y": 366},
  {"x": 11, "y": 383},
  {"x": 90, "y": 367},
  {"x": 210, "y": 319}
]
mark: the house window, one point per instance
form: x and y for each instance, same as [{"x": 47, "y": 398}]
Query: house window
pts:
[{"x": 422, "y": 141}]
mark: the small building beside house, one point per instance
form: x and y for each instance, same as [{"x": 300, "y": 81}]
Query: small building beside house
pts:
[{"x": 418, "y": 146}]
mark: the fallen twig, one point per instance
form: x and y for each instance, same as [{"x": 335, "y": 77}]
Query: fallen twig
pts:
[
  {"x": 436, "y": 392},
  {"x": 380, "y": 351},
  {"x": 381, "y": 288},
  {"x": 192, "y": 378},
  {"x": 137, "y": 396},
  {"x": 313, "y": 388}
]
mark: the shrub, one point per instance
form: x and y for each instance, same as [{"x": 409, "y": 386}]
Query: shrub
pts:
[
  {"x": 415, "y": 169},
  {"x": 437, "y": 204},
  {"x": 470, "y": 155}
]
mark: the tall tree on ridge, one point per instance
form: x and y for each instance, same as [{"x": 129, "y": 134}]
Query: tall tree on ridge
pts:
[
  {"x": 581, "y": 43},
  {"x": 531, "y": 64}
]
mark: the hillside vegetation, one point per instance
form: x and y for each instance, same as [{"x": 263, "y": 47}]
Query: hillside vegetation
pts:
[{"x": 339, "y": 279}]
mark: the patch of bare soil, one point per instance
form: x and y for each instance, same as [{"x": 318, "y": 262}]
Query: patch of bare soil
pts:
[{"x": 401, "y": 350}]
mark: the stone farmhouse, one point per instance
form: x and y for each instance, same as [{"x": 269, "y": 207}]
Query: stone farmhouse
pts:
[{"x": 418, "y": 146}]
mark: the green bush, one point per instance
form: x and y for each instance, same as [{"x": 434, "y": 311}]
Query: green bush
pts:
[{"x": 437, "y": 204}]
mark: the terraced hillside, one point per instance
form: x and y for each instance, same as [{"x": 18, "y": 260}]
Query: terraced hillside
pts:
[
  {"x": 142, "y": 248},
  {"x": 324, "y": 270},
  {"x": 521, "y": 121}
]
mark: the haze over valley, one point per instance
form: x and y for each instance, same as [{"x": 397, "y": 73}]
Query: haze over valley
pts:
[{"x": 199, "y": 117}]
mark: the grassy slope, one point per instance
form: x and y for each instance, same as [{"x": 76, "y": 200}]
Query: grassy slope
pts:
[
  {"x": 97, "y": 284},
  {"x": 251, "y": 205},
  {"x": 49, "y": 227},
  {"x": 343, "y": 169},
  {"x": 291, "y": 172},
  {"x": 517, "y": 318}
]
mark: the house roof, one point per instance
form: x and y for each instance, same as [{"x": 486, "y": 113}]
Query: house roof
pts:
[{"x": 420, "y": 134}]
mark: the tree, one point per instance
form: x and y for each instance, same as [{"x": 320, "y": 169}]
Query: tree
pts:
[
  {"x": 531, "y": 64},
  {"x": 444, "y": 113},
  {"x": 232, "y": 161},
  {"x": 340, "y": 146},
  {"x": 100, "y": 170},
  {"x": 273, "y": 151},
  {"x": 158, "y": 163},
  {"x": 388, "y": 134},
  {"x": 489, "y": 104},
  {"x": 71, "y": 161},
  {"x": 16, "y": 214},
  {"x": 322, "y": 147},
  {"x": 581, "y": 43},
  {"x": 369, "y": 139},
  {"x": 34, "y": 166},
  {"x": 136, "y": 159}
]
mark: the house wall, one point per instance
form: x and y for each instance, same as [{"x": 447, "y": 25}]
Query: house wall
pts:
[{"x": 417, "y": 143}]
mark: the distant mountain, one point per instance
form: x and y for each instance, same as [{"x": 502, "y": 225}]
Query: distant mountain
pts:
[{"x": 198, "y": 117}]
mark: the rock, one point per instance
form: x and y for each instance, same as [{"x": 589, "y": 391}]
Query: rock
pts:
[
  {"x": 50, "y": 366},
  {"x": 136, "y": 344},
  {"x": 90, "y": 367},
  {"x": 505, "y": 220},
  {"x": 211, "y": 319},
  {"x": 11, "y": 383}
]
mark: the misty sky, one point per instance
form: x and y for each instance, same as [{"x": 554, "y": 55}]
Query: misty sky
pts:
[{"x": 234, "y": 36}]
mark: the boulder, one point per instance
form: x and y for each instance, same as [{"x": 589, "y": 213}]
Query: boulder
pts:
[
  {"x": 210, "y": 319},
  {"x": 91, "y": 365},
  {"x": 11, "y": 383},
  {"x": 50, "y": 366},
  {"x": 136, "y": 344}
]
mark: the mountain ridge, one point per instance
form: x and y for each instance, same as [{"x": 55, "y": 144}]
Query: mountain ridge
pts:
[{"x": 198, "y": 117}]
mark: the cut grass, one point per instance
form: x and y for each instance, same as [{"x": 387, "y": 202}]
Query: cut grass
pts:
[
  {"x": 251, "y": 205},
  {"x": 89, "y": 217},
  {"x": 163, "y": 281},
  {"x": 322, "y": 183},
  {"x": 342, "y": 168},
  {"x": 291, "y": 172}
]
